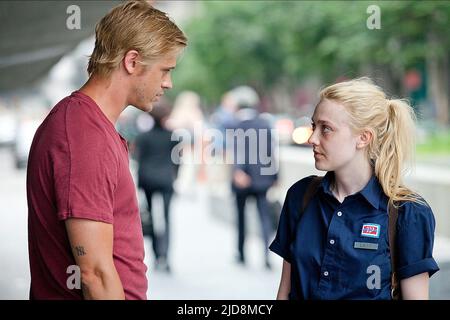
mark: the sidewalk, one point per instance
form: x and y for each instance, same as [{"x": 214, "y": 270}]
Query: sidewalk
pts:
[{"x": 202, "y": 258}]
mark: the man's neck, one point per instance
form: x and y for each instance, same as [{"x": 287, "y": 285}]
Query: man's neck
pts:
[{"x": 107, "y": 94}]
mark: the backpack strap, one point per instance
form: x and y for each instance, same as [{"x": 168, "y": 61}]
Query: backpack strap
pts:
[
  {"x": 395, "y": 283},
  {"x": 309, "y": 193}
]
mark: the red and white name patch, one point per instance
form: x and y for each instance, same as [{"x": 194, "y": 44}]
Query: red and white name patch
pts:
[{"x": 371, "y": 230}]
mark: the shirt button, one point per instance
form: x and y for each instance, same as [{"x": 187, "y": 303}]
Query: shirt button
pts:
[
  {"x": 325, "y": 273},
  {"x": 339, "y": 214},
  {"x": 332, "y": 241}
]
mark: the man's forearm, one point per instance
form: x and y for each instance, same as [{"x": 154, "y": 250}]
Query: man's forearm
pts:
[
  {"x": 102, "y": 285},
  {"x": 92, "y": 248}
]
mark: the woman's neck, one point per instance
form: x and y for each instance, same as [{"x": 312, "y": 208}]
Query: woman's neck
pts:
[{"x": 350, "y": 180}]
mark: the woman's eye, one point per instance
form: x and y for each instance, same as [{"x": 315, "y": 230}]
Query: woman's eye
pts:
[{"x": 326, "y": 129}]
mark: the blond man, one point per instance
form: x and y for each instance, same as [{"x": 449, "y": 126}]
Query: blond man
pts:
[{"x": 83, "y": 213}]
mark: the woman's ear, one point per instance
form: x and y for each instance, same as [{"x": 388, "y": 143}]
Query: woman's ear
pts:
[{"x": 364, "y": 139}]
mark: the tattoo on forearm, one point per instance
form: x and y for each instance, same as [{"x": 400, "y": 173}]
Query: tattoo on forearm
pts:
[{"x": 80, "y": 251}]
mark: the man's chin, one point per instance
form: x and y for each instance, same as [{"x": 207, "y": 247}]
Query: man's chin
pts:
[
  {"x": 146, "y": 108},
  {"x": 149, "y": 107}
]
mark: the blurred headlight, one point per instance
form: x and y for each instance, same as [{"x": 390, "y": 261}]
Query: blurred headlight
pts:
[{"x": 301, "y": 134}]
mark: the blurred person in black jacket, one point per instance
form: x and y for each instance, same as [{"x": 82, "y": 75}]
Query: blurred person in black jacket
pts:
[
  {"x": 156, "y": 174},
  {"x": 253, "y": 171}
]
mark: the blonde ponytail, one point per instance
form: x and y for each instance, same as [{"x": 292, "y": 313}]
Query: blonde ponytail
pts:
[{"x": 396, "y": 151}]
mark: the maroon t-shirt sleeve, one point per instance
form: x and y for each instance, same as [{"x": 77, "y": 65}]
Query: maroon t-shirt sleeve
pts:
[{"x": 85, "y": 170}]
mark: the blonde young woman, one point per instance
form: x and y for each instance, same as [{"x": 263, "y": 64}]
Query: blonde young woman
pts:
[{"x": 338, "y": 247}]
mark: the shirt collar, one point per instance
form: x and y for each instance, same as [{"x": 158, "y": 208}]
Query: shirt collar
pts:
[
  {"x": 326, "y": 182},
  {"x": 371, "y": 192}
]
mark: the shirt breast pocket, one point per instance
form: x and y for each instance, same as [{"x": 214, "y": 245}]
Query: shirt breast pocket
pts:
[{"x": 366, "y": 257}]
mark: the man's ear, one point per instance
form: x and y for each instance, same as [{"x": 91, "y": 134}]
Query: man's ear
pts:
[
  {"x": 130, "y": 61},
  {"x": 364, "y": 139}
]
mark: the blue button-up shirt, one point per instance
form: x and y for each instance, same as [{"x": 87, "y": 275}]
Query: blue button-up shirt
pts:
[{"x": 341, "y": 250}]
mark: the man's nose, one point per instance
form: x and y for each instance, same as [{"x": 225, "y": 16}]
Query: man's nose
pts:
[{"x": 167, "y": 83}]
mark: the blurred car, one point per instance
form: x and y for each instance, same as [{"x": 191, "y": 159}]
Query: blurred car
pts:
[
  {"x": 25, "y": 130},
  {"x": 7, "y": 127},
  {"x": 31, "y": 109},
  {"x": 302, "y": 132},
  {"x": 283, "y": 124}
]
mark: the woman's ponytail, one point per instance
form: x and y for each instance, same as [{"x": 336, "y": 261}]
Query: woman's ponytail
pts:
[{"x": 396, "y": 150}]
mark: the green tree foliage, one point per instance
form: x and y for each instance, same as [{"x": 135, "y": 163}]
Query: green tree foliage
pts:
[{"x": 265, "y": 43}]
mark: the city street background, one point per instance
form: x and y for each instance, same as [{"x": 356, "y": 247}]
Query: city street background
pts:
[{"x": 287, "y": 51}]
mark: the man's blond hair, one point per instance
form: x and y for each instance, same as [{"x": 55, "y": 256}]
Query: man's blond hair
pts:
[{"x": 133, "y": 25}]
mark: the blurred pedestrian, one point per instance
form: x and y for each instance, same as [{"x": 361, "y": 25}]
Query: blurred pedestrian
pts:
[
  {"x": 253, "y": 138},
  {"x": 188, "y": 123},
  {"x": 186, "y": 112},
  {"x": 156, "y": 175},
  {"x": 223, "y": 118},
  {"x": 339, "y": 236},
  {"x": 83, "y": 217}
]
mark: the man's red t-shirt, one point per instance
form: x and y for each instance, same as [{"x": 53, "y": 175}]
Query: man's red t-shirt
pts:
[{"x": 78, "y": 168}]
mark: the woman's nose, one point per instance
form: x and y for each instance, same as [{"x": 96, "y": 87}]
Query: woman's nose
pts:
[{"x": 313, "y": 138}]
